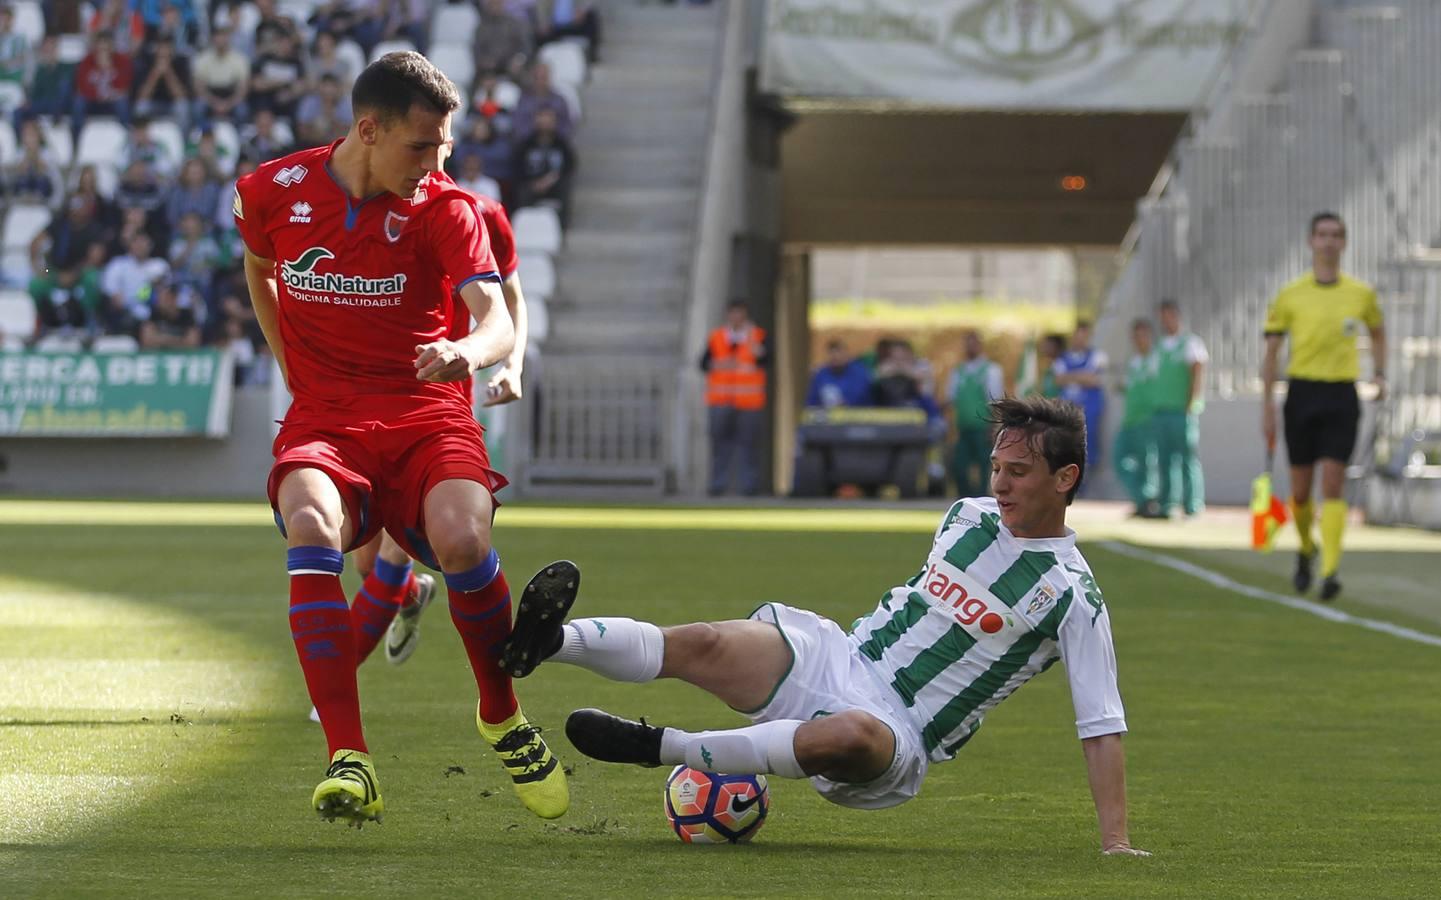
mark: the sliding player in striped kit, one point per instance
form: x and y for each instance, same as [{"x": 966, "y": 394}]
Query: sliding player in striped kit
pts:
[{"x": 1003, "y": 594}]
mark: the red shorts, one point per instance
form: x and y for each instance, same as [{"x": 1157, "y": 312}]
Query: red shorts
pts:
[{"x": 385, "y": 469}]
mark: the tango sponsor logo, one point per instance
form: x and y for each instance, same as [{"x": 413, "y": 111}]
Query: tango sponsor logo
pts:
[{"x": 967, "y": 608}]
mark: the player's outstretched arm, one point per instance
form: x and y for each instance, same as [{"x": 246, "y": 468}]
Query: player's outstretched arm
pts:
[
  {"x": 1106, "y": 768},
  {"x": 265, "y": 297},
  {"x": 505, "y": 386},
  {"x": 1269, "y": 365},
  {"x": 488, "y": 343}
]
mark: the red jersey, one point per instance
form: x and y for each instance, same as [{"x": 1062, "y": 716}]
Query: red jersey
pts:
[
  {"x": 361, "y": 283},
  {"x": 502, "y": 247}
]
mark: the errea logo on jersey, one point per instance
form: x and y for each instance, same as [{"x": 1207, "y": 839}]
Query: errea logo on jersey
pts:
[
  {"x": 969, "y": 609},
  {"x": 300, "y": 212},
  {"x": 290, "y": 175}
]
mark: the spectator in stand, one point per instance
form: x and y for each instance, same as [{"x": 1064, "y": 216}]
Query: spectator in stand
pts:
[
  {"x": 972, "y": 386},
  {"x": 65, "y": 240},
  {"x": 277, "y": 79},
  {"x": 483, "y": 102},
  {"x": 142, "y": 189},
  {"x": 232, "y": 338},
  {"x": 127, "y": 281},
  {"x": 195, "y": 257},
  {"x": 325, "y": 61},
  {"x": 86, "y": 183},
  {"x": 14, "y": 48},
  {"x": 221, "y": 80},
  {"x": 136, "y": 220},
  {"x": 141, "y": 147},
  {"x": 265, "y": 137},
  {"x": 841, "y": 381},
  {"x": 50, "y": 91},
  {"x": 540, "y": 96},
  {"x": 360, "y": 20},
  {"x": 33, "y": 176},
  {"x": 164, "y": 82},
  {"x": 223, "y": 221},
  {"x": 217, "y": 161},
  {"x": 271, "y": 26},
  {"x": 502, "y": 41},
  {"x": 483, "y": 138},
  {"x": 64, "y": 16},
  {"x": 66, "y": 300},
  {"x": 556, "y": 19},
  {"x": 324, "y": 114},
  {"x": 169, "y": 322},
  {"x": 194, "y": 192},
  {"x": 545, "y": 165},
  {"x": 179, "y": 23},
  {"x": 407, "y": 20},
  {"x": 472, "y": 177},
  {"x": 117, "y": 19},
  {"x": 102, "y": 82}
]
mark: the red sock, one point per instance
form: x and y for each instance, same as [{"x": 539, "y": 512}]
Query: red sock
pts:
[
  {"x": 480, "y": 609},
  {"x": 320, "y": 627},
  {"x": 375, "y": 606}
]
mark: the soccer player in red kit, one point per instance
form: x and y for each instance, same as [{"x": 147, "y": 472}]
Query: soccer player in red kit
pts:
[
  {"x": 392, "y": 597},
  {"x": 354, "y": 253}
]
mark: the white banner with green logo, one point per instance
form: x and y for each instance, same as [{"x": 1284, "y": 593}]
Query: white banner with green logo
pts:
[
  {"x": 1122, "y": 55},
  {"x": 162, "y": 394}
]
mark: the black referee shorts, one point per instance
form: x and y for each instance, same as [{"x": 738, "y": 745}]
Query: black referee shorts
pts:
[{"x": 1321, "y": 418}]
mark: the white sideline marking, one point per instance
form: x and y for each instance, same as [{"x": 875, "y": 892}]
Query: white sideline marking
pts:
[{"x": 1215, "y": 579}]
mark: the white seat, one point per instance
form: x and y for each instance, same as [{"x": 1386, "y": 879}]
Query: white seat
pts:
[
  {"x": 17, "y": 315},
  {"x": 166, "y": 133},
  {"x": 353, "y": 56},
  {"x": 22, "y": 223},
  {"x": 537, "y": 273},
  {"x": 12, "y": 96},
  {"x": 537, "y": 318},
  {"x": 29, "y": 20},
  {"x": 60, "y": 343},
  {"x": 385, "y": 47},
  {"x": 15, "y": 267},
  {"x": 507, "y": 94},
  {"x": 566, "y": 61},
  {"x": 454, "y": 23},
  {"x": 537, "y": 229},
  {"x": 572, "y": 98},
  {"x": 115, "y": 343},
  {"x": 60, "y": 141},
  {"x": 243, "y": 20},
  {"x": 102, "y": 140},
  {"x": 227, "y": 141},
  {"x": 71, "y": 48},
  {"x": 456, "y": 61},
  {"x": 9, "y": 145}
]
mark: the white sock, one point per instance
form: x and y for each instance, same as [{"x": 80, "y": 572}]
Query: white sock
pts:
[
  {"x": 618, "y": 648},
  {"x": 765, "y": 749}
]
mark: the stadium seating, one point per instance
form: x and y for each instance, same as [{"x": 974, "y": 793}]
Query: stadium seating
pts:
[
  {"x": 29, "y": 20},
  {"x": 60, "y": 140},
  {"x": 454, "y": 25},
  {"x": 8, "y": 143},
  {"x": 537, "y": 229},
  {"x": 102, "y": 142},
  {"x": 352, "y": 54},
  {"x": 166, "y": 133},
  {"x": 572, "y": 98},
  {"x": 537, "y": 319},
  {"x": 227, "y": 140},
  {"x": 567, "y": 62},
  {"x": 60, "y": 343},
  {"x": 12, "y": 96},
  {"x": 537, "y": 273},
  {"x": 115, "y": 343},
  {"x": 507, "y": 94},
  {"x": 456, "y": 61},
  {"x": 17, "y": 317},
  {"x": 71, "y": 48},
  {"x": 22, "y": 223}
]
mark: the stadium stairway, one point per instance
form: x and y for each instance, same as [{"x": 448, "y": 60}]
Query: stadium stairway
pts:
[{"x": 623, "y": 276}]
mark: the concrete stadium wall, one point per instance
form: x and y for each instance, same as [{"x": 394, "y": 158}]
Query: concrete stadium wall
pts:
[{"x": 235, "y": 467}]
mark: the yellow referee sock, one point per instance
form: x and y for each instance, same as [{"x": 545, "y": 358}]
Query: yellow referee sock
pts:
[
  {"x": 1303, "y": 514},
  {"x": 1333, "y": 525}
]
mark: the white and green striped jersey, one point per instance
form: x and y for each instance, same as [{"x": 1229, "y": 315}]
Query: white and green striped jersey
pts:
[{"x": 988, "y": 612}]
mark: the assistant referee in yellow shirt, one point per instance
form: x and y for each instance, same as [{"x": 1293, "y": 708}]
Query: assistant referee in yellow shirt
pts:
[{"x": 1322, "y": 312}]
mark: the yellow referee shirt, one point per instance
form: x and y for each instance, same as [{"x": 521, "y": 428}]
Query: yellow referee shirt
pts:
[{"x": 1323, "y": 321}]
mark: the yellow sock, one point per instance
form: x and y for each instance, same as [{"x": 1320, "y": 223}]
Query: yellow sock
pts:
[
  {"x": 1333, "y": 525},
  {"x": 1302, "y": 513}
]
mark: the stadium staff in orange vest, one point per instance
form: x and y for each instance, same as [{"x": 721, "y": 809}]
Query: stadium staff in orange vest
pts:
[{"x": 735, "y": 363}]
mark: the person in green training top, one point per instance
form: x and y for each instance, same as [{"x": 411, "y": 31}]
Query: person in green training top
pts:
[
  {"x": 969, "y": 391},
  {"x": 1323, "y": 312},
  {"x": 1180, "y": 359},
  {"x": 1135, "y": 450}
]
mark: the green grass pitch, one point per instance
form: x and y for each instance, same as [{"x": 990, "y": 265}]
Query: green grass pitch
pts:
[{"x": 154, "y": 741}]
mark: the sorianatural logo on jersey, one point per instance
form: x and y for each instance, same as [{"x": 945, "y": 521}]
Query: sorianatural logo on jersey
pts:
[{"x": 337, "y": 288}]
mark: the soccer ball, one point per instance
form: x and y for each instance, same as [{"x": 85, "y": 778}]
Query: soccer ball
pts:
[{"x": 709, "y": 808}]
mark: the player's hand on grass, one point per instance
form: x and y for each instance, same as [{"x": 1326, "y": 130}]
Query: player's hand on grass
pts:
[
  {"x": 443, "y": 361},
  {"x": 1124, "y": 850},
  {"x": 503, "y": 388}
]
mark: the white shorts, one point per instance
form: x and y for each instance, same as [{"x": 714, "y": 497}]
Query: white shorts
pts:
[{"x": 826, "y": 677}]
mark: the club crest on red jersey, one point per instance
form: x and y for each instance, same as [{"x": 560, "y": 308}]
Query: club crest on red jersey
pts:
[{"x": 394, "y": 223}]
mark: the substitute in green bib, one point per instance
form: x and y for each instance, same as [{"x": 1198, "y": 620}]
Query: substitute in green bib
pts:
[
  {"x": 1180, "y": 359},
  {"x": 969, "y": 391},
  {"x": 1322, "y": 312},
  {"x": 1135, "y": 451}
]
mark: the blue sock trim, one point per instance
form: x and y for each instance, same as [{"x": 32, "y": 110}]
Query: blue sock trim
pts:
[
  {"x": 321, "y": 558},
  {"x": 391, "y": 574},
  {"x": 319, "y": 604},
  {"x": 375, "y": 601},
  {"x": 483, "y": 614},
  {"x": 475, "y": 579}
]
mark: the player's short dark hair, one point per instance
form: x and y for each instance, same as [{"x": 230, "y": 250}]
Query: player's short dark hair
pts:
[
  {"x": 1171, "y": 304},
  {"x": 1140, "y": 322},
  {"x": 1054, "y": 429},
  {"x": 1327, "y": 215},
  {"x": 391, "y": 85}
]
